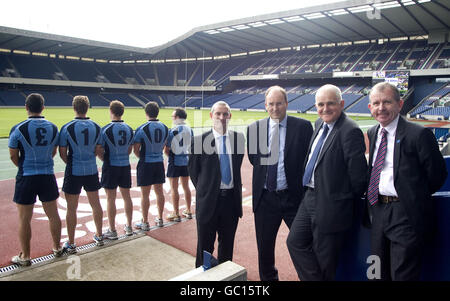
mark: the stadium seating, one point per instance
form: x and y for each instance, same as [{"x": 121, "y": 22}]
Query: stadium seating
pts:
[
  {"x": 33, "y": 67},
  {"x": 361, "y": 106},
  {"x": 388, "y": 56},
  {"x": 431, "y": 104},
  {"x": 12, "y": 98},
  {"x": 357, "y": 57}
]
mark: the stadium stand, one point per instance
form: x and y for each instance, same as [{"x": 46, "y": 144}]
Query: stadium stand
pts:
[
  {"x": 123, "y": 75},
  {"x": 390, "y": 56},
  {"x": 436, "y": 104},
  {"x": 236, "y": 61}
]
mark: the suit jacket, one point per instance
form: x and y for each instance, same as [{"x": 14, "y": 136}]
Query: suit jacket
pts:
[
  {"x": 419, "y": 169},
  {"x": 298, "y": 134},
  {"x": 204, "y": 170},
  {"x": 340, "y": 176}
]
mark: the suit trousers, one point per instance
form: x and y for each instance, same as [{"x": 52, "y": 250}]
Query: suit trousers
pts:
[
  {"x": 273, "y": 208},
  {"x": 223, "y": 223},
  {"x": 395, "y": 242},
  {"x": 315, "y": 254}
]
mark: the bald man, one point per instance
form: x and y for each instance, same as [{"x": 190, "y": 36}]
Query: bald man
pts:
[
  {"x": 277, "y": 149},
  {"x": 334, "y": 179}
]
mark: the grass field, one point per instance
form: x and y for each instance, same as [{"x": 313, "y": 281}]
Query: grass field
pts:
[{"x": 133, "y": 116}]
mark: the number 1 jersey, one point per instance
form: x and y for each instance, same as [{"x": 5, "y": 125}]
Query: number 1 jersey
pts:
[{"x": 81, "y": 136}]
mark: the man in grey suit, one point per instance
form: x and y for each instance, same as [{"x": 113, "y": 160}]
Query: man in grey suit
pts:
[
  {"x": 334, "y": 179},
  {"x": 277, "y": 148},
  {"x": 215, "y": 169}
]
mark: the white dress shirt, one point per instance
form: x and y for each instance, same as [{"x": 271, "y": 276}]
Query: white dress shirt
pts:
[
  {"x": 219, "y": 147},
  {"x": 386, "y": 185}
]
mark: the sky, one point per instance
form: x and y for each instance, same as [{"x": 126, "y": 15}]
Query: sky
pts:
[{"x": 136, "y": 23}]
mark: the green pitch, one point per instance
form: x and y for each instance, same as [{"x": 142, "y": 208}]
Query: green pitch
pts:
[
  {"x": 197, "y": 119},
  {"x": 134, "y": 117}
]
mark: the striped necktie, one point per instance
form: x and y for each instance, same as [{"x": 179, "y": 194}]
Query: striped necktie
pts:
[{"x": 372, "y": 193}]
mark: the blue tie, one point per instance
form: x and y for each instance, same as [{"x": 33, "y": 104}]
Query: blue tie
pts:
[
  {"x": 310, "y": 167},
  {"x": 225, "y": 170},
  {"x": 272, "y": 170}
]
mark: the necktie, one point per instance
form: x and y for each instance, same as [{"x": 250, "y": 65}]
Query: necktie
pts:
[
  {"x": 271, "y": 181},
  {"x": 372, "y": 192},
  {"x": 225, "y": 170},
  {"x": 312, "y": 162}
]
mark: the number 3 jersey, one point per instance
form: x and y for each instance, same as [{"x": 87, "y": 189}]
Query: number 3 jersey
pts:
[
  {"x": 80, "y": 136},
  {"x": 116, "y": 138},
  {"x": 35, "y": 138},
  {"x": 152, "y": 136}
]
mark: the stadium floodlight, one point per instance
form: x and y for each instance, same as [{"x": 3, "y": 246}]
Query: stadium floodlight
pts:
[
  {"x": 240, "y": 27},
  {"x": 314, "y": 16},
  {"x": 5, "y": 50},
  {"x": 387, "y": 5},
  {"x": 39, "y": 54},
  {"x": 338, "y": 12},
  {"x": 221, "y": 57},
  {"x": 362, "y": 8},
  {"x": 212, "y": 31},
  {"x": 257, "y": 24},
  {"x": 20, "y": 51},
  {"x": 407, "y": 2},
  {"x": 424, "y": 1},
  {"x": 293, "y": 19},
  {"x": 256, "y": 52},
  {"x": 226, "y": 29},
  {"x": 274, "y": 21}
]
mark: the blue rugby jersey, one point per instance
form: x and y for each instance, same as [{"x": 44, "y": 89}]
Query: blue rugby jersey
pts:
[
  {"x": 81, "y": 136},
  {"x": 152, "y": 136},
  {"x": 179, "y": 142},
  {"x": 116, "y": 138},
  {"x": 35, "y": 138}
]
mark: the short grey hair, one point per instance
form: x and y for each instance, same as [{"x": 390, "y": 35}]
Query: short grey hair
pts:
[
  {"x": 220, "y": 103},
  {"x": 330, "y": 87},
  {"x": 386, "y": 85}
]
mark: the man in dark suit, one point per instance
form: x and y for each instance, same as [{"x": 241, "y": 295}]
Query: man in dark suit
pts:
[
  {"x": 405, "y": 168},
  {"x": 277, "y": 149},
  {"x": 334, "y": 179},
  {"x": 215, "y": 169}
]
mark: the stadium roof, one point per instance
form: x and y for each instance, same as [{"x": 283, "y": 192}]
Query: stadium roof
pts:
[{"x": 332, "y": 23}]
